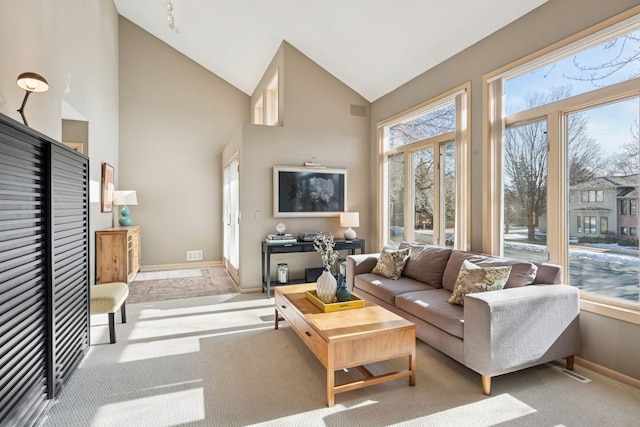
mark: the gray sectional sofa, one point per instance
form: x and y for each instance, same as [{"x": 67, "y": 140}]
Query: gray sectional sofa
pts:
[{"x": 533, "y": 320}]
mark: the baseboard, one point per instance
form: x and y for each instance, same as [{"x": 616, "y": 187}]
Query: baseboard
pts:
[
  {"x": 249, "y": 290},
  {"x": 610, "y": 373},
  {"x": 182, "y": 265}
]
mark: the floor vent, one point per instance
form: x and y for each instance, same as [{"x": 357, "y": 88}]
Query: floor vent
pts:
[
  {"x": 194, "y": 255},
  {"x": 575, "y": 376}
]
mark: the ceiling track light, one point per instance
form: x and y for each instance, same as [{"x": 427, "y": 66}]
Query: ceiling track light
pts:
[{"x": 170, "y": 18}]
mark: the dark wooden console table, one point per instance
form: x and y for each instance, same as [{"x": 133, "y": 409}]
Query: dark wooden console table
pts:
[{"x": 291, "y": 248}]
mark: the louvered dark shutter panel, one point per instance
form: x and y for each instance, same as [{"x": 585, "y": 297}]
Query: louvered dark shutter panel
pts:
[
  {"x": 23, "y": 294},
  {"x": 44, "y": 270},
  {"x": 69, "y": 217}
]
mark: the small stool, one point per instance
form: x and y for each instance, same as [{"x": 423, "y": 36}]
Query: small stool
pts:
[{"x": 108, "y": 298}]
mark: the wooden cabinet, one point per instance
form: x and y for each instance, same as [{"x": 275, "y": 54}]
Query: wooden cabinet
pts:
[{"x": 117, "y": 254}]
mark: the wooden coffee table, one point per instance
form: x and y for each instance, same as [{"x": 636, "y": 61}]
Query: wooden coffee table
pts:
[{"x": 348, "y": 338}]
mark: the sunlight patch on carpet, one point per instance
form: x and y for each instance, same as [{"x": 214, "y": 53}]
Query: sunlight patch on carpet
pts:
[
  {"x": 162, "y": 348},
  {"x": 159, "y": 348},
  {"x": 487, "y": 412},
  {"x": 167, "y": 409},
  {"x": 151, "y": 311}
]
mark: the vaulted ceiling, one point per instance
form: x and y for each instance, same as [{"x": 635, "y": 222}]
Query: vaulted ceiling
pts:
[{"x": 373, "y": 46}]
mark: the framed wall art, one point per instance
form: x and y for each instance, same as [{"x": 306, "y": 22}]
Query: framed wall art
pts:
[
  {"x": 106, "y": 201},
  {"x": 309, "y": 192}
]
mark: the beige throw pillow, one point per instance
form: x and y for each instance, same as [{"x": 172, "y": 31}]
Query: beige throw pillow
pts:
[
  {"x": 391, "y": 263},
  {"x": 473, "y": 278}
]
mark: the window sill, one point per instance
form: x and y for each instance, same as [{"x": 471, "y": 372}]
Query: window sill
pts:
[{"x": 620, "y": 313}]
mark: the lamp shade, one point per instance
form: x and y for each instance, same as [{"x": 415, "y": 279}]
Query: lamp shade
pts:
[
  {"x": 32, "y": 82},
  {"x": 125, "y": 197},
  {"x": 349, "y": 219}
]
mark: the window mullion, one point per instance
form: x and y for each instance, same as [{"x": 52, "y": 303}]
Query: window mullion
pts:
[
  {"x": 438, "y": 218},
  {"x": 493, "y": 204},
  {"x": 557, "y": 191},
  {"x": 462, "y": 175},
  {"x": 409, "y": 195}
]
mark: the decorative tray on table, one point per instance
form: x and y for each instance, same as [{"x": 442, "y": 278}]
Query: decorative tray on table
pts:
[{"x": 354, "y": 302}]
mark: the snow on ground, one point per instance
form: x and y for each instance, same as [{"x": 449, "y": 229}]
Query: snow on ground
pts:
[{"x": 600, "y": 252}]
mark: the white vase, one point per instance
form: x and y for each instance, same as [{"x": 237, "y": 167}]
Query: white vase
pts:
[{"x": 326, "y": 287}]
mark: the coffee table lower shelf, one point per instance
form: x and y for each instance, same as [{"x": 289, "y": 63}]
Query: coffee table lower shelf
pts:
[{"x": 348, "y": 339}]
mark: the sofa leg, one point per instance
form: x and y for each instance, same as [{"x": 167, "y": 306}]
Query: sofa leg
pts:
[
  {"x": 570, "y": 362},
  {"x": 486, "y": 385}
]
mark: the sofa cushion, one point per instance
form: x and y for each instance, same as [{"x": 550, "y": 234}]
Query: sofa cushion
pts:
[
  {"x": 433, "y": 307},
  {"x": 384, "y": 288},
  {"x": 426, "y": 263},
  {"x": 522, "y": 272},
  {"x": 473, "y": 278},
  {"x": 391, "y": 263}
]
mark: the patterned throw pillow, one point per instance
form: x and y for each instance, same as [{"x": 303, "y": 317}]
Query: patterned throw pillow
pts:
[
  {"x": 473, "y": 278},
  {"x": 391, "y": 262}
]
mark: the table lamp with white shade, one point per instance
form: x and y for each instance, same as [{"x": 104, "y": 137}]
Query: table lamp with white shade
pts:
[
  {"x": 124, "y": 198},
  {"x": 349, "y": 219}
]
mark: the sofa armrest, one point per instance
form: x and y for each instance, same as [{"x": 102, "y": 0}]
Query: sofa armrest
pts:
[
  {"x": 358, "y": 264},
  {"x": 516, "y": 328}
]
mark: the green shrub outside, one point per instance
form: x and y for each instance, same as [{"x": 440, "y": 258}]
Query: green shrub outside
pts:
[{"x": 608, "y": 239}]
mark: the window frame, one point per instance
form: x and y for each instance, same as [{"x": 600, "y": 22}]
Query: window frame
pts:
[
  {"x": 494, "y": 123},
  {"x": 271, "y": 97},
  {"x": 461, "y": 95},
  {"x": 266, "y": 109},
  {"x": 258, "y": 111}
]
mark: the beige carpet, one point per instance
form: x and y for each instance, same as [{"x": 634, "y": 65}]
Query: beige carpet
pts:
[
  {"x": 217, "y": 361},
  {"x": 162, "y": 285}
]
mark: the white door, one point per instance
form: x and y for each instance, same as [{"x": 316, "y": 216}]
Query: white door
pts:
[{"x": 231, "y": 217}]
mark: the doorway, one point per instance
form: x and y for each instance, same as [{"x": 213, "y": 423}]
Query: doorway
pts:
[{"x": 231, "y": 218}]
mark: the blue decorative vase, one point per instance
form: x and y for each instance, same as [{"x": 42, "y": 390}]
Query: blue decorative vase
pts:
[
  {"x": 125, "y": 219},
  {"x": 342, "y": 293}
]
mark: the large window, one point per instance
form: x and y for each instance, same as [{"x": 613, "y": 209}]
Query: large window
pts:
[
  {"x": 563, "y": 132},
  {"x": 423, "y": 173},
  {"x": 590, "y": 225}
]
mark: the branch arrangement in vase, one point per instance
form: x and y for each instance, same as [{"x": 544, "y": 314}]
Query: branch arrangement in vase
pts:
[{"x": 324, "y": 245}]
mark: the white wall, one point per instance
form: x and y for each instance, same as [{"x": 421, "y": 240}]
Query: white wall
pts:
[
  {"x": 175, "y": 118},
  {"x": 316, "y": 123},
  {"x": 73, "y": 44}
]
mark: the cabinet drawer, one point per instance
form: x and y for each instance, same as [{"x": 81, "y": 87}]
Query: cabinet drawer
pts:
[
  {"x": 312, "y": 340},
  {"x": 279, "y": 249},
  {"x": 307, "y": 334},
  {"x": 284, "y": 308}
]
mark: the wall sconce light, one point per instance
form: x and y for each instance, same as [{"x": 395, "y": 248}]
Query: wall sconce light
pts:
[
  {"x": 349, "y": 219},
  {"x": 124, "y": 198},
  {"x": 30, "y": 82}
]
